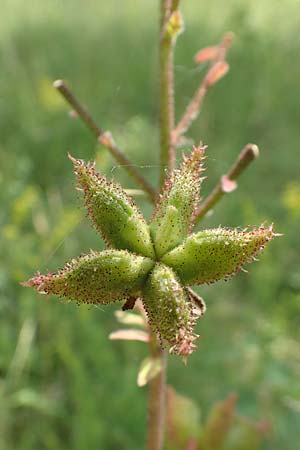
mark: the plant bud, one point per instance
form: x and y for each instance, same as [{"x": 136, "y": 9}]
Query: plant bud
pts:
[
  {"x": 97, "y": 278},
  {"x": 113, "y": 213},
  {"x": 171, "y": 221},
  {"x": 212, "y": 255},
  {"x": 175, "y": 25},
  {"x": 206, "y": 54},
  {"x": 170, "y": 312},
  {"x": 218, "y": 71}
]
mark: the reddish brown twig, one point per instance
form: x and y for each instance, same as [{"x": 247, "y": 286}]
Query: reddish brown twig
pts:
[
  {"x": 105, "y": 138},
  {"x": 216, "y": 71},
  {"x": 157, "y": 398},
  {"x": 227, "y": 182}
]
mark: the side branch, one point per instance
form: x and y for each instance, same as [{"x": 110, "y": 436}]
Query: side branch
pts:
[
  {"x": 227, "y": 183},
  {"x": 218, "y": 68},
  {"x": 105, "y": 138}
]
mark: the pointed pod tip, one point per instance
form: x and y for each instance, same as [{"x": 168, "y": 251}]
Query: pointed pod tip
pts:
[
  {"x": 270, "y": 231},
  {"x": 194, "y": 161},
  {"x": 186, "y": 347},
  {"x": 37, "y": 282}
]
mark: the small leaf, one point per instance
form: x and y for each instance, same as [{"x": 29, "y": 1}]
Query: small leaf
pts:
[
  {"x": 150, "y": 367},
  {"x": 219, "y": 424},
  {"x": 206, "y": 54},
  {"x": 212, "y": 255},
  {"x": 170, "y": 312},
  {"x": 130, "y": 335},
  {"x": 183, "y": 421},
  {"x": 97, "y": 278},
  {"x": 113, "y": 213},
  {"x": 127, "y": 318},
  {"x": 171, "y": 220}
]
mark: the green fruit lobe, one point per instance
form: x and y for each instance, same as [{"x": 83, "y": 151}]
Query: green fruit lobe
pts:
[{"x": 97, "y": 278}]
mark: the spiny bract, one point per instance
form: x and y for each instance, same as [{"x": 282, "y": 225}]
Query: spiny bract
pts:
[{"x": 156, "y": 263}]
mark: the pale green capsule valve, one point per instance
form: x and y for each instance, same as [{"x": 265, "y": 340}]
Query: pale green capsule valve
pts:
[
  {"x": 211, "y": 255},
  {"x": 113, "y": 213},
  {"x": 170, "y": 310},
  {"x": 97, "y": 278},
  {"x": 172, "y": 219}
]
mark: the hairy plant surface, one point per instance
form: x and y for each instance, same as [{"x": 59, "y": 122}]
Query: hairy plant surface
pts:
[{"x": 156, "y": 262}]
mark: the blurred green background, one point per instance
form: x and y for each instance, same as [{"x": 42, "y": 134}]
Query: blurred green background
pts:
[{"x": 63, "y": 385}]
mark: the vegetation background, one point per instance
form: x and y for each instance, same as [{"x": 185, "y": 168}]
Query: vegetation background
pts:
[{"x": 63, "y": 385}]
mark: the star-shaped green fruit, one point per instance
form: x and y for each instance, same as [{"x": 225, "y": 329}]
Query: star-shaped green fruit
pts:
[{"x": 157, "y": 262}]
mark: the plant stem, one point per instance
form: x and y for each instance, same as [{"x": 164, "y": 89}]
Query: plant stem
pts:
[
  {"x": 104, "y": 138},
  {"x": 217, "y": 71},
  {"x": 157, "y": 398},
  {"x": 157, "y": 386},
  {"x": 247, "y": 155},
  {"x": 167, "y": 120}
]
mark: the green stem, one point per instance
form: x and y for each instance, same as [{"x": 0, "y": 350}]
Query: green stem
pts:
[
  {"x": 167, "y": 120},
  {"x": 157, "y": 399},
  {"x": 157, "y": 386}
]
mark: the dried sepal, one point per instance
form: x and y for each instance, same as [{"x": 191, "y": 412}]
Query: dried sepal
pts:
[
  {"x": 97, "y": 278},
  {"x": 216, "y": 254},
  {"x": 112, "y": 211},
  {"x": 171, "y": 220},
  {"x": 198, "y": 301},
  {"x": 170, "y": 312}
]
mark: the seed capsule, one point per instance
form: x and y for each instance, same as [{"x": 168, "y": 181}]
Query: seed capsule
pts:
[
  {"x": 113, "y": 213},
  {"x": 171, "y": 313},
  {"x": 98, "y": 278},
  {"x": 212, "y": 255},
  {"x": 172, "y": 218}
]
